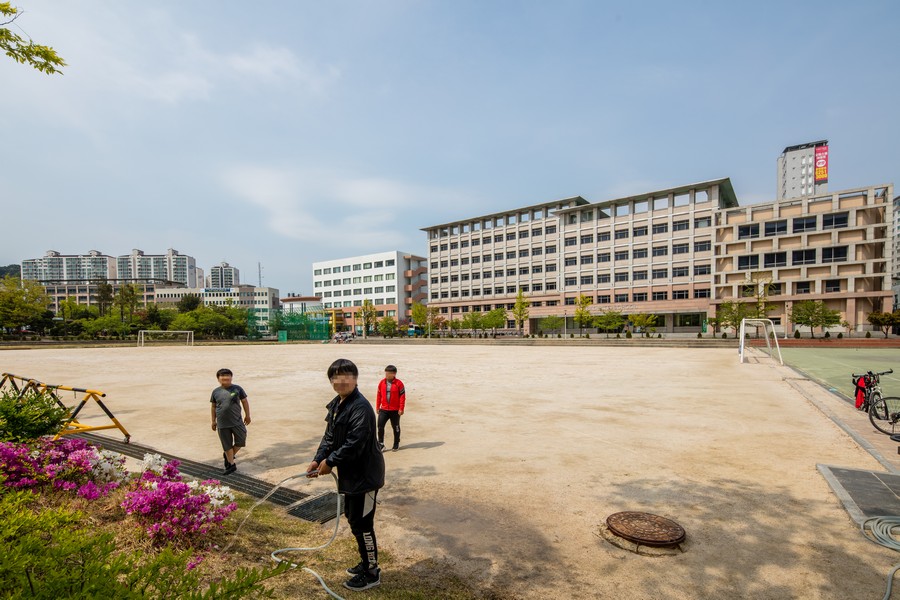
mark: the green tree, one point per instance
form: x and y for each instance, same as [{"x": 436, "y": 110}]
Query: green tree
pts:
[
  {"x": 583, "y": 317},
  {"x": 643, "y": 321},
  {"x": 759, "y": 286},
  {"x": 127, "y": 301},
  {"x": 21, "y": 302},
  {"x": 730, "y": 314},
  {"x": 434, "y": 319},
  {"x": 455, "y": 325},
  {"x": 419, "y": 315},
  {"x": 494, "y": 319},
  {"x": 882, "y": 321},
  {"x": 812, "y": 314},
  {"x": 551, "y": 323},
  {"x": 42, "y": 58},
  {"x": 520, "y": 310},
  {"x": 105, "y": 296},
  {"x": 188, "y": 303},
  {"x": 610, "y": 320},
  {"x": 387, "y": 327},
  {"x": 368, "y": 316},
  {"x": 14, "y": 270},
  {"x": 472, "y": 321}
]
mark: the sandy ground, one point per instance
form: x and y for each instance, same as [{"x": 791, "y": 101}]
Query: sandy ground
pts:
[{"x": 513, "y": 457}]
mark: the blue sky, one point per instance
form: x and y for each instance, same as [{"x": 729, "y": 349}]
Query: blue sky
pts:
[{"x": 284, "y": 133}]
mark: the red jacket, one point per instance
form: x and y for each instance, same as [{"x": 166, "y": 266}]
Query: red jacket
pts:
[{"x": 398, "y": 395}]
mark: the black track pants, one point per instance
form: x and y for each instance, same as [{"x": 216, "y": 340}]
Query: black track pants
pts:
[
  {"x": 360, "y": 512},
  {"x": 394, "y": 417}
]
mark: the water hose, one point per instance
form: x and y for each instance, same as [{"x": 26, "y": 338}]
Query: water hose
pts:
[
  {"x": 881, "y": 529},
  {"x": 275, "y": 554}
]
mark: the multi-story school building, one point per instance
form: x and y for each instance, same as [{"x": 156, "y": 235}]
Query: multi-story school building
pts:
[{"x": 676, "y": 253}]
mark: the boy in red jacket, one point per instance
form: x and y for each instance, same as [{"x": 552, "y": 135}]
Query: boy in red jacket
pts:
[{"x": 390, "y": 402}]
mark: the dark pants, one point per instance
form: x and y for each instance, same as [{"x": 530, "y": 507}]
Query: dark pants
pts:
[
  {"x": 360, "y": 512},
  {"x": 383, "y": 417}
]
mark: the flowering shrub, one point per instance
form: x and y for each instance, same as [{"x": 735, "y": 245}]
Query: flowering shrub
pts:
[
  {"x": 170, "y": 509},
  {"x": 69, "y": 464}
]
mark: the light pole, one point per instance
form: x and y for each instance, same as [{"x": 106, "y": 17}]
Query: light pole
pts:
[{"x": 565, "y": 323}]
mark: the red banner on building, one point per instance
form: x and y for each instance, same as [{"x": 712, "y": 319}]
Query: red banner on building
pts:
[{"x": 821, "y": 164}]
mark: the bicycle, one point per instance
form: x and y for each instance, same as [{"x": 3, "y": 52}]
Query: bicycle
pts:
[
  {"x": 884, "y": 412},
  {"x": 871, "y": 387}
]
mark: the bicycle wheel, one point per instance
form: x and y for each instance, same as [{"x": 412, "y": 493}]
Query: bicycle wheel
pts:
[{"x": 884, "y": 413}]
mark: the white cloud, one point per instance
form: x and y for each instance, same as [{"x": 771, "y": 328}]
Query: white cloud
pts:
[{"x": 318, "y": 206}]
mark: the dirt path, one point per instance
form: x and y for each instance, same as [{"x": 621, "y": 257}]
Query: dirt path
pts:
[{"x": 513, "y": 457}]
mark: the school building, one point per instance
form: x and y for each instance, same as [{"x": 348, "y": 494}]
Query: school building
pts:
[{"x": 676, "y": 253}]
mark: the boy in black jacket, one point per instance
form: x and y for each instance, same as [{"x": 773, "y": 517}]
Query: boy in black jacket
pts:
[{"x": 351, "y": 446}]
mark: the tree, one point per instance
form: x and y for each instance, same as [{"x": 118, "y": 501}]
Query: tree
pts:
[
  {"x": 188, "y": 303},
  {"x": 455, "y": 326},
  {"x": 610, "y": 320},
  {"x": 419, "y": 315},
  {"x": 387, "y": 327},
  {"x": 127, "y": 300},
  {"x": 368, "y": 316},
  {"x": 105, "y": 296},
  {"x": 42, "y": 58},
  {"x": 644, "y": 322},
  {"x": 520, "y": 310},
  {"x": 472, "y": 321},
  {"x": 583, "y": 317},
  {"x": 434, "y": 319},
  {"x": 760, "y": 284},
  {"x": 812, "y": 314},
  {"x": 494, "y": 319},
  {"x": 21, "y": 302},
  {"x": 14, "y": 270},
  {"x": 730, "y": 314},
  {"x": 551, "y": 323},
  {"x": 882, "y": 321}
]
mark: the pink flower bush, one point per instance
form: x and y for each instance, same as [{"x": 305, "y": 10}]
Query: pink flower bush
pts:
[
  {"x": 170, "y": 509},
  {"x": 68, "y": 464}
]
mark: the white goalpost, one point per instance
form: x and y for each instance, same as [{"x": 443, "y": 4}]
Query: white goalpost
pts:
[
  {"x": 769, "y": 329},
  {"x": 145, "y": 335}
]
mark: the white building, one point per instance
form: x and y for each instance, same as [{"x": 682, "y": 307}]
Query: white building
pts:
[
  {"x": 171, "y": 266},
  {"x": 223, "y": 275},
  {"x": 62, "y": 268},
  {"x": 392, "y": 280},
  {"x": 803, "y": 171}
]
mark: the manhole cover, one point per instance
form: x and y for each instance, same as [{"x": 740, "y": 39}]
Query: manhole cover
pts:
[{"x": 645, "y": 529}]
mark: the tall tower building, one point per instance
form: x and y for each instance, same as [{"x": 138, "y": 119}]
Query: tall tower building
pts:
[
  {"x": 223, "y": 276},
  {"x": 803, "y": 170}
]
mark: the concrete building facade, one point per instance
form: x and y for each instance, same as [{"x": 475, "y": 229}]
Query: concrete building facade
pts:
[
  {"x": 223, "y": 275},
  {"x": 57, "y": 267},
  {"x": 392, "y": 280},
  {"x": 171, "y": 266},
  {"x": 677, "y": 253},
  {"x": 259, "y": 301},
  {"x": 802, "y": 171}
]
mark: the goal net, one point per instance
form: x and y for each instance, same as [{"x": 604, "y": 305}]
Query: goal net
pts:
[
  {"x": 769, "y": 333},
  {"x": 150, "y": 336}
]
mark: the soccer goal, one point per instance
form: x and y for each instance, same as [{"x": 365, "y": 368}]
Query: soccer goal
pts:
[
  {"x": 146, "y": 336},
  {"x": 769, "y": 331}
]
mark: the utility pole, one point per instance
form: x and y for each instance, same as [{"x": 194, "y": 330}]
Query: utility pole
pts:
[{"x": 259, "y": 267}]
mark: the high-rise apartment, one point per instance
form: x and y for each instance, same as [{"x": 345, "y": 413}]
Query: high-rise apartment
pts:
[
  {"x": 223, "y": 275},
  {"x": 803, "y": 171},
  {"x": 171, "y": 266}
]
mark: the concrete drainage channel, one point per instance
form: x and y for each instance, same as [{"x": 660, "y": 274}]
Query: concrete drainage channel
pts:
[{"x": 318, "y": 508}]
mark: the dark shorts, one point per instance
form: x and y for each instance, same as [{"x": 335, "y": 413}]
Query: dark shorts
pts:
[{"x": 232, "y": 436}]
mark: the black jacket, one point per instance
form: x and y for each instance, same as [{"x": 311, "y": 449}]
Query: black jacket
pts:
[{"x": 350, "y": 445}]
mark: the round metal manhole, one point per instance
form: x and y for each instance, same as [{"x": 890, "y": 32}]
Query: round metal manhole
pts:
[{"x": 645, "y": 529}]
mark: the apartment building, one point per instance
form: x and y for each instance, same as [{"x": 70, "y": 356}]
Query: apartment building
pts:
[
  {"x": 802, "y": 171},
  {"x": 676, "y": 253},
  {"x": 54, "y": 266},
  {"x": 223, "y": 275},
  {"x": 392, "y": 280},
  {"x": 171, "y": 266}
]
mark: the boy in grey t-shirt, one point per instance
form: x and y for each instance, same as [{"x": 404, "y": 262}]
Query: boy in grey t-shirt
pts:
[{"x": 225, "y": 410}]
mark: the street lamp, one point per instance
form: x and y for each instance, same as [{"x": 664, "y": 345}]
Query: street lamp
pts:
[{"x": 565, "y": 323}]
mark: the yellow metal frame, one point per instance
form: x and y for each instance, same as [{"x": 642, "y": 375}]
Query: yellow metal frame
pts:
[{"x": 71, "y": 425}]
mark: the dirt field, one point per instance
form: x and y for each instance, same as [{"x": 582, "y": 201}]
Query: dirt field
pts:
[{"x": 512, "y": 458}]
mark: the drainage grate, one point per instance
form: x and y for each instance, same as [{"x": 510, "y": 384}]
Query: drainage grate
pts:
[
  {"x": 320, "y": 509},
  {"x": 645, "y": 529}
]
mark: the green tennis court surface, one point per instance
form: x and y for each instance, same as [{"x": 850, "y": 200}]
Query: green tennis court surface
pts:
[{"x": 831, "y": 367}]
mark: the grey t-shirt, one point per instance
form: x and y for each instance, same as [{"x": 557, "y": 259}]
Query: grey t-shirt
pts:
[{"x": 228, "y": 405}]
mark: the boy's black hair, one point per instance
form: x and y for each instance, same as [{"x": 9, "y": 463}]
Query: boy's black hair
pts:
[
  {"x": 221, "y": 372},
  {"x": 391, "y": 368},
  {"x": 342, "y": 366}
]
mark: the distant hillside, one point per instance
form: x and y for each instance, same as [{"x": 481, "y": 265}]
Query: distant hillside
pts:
[{"x": 14, "y": 270}]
